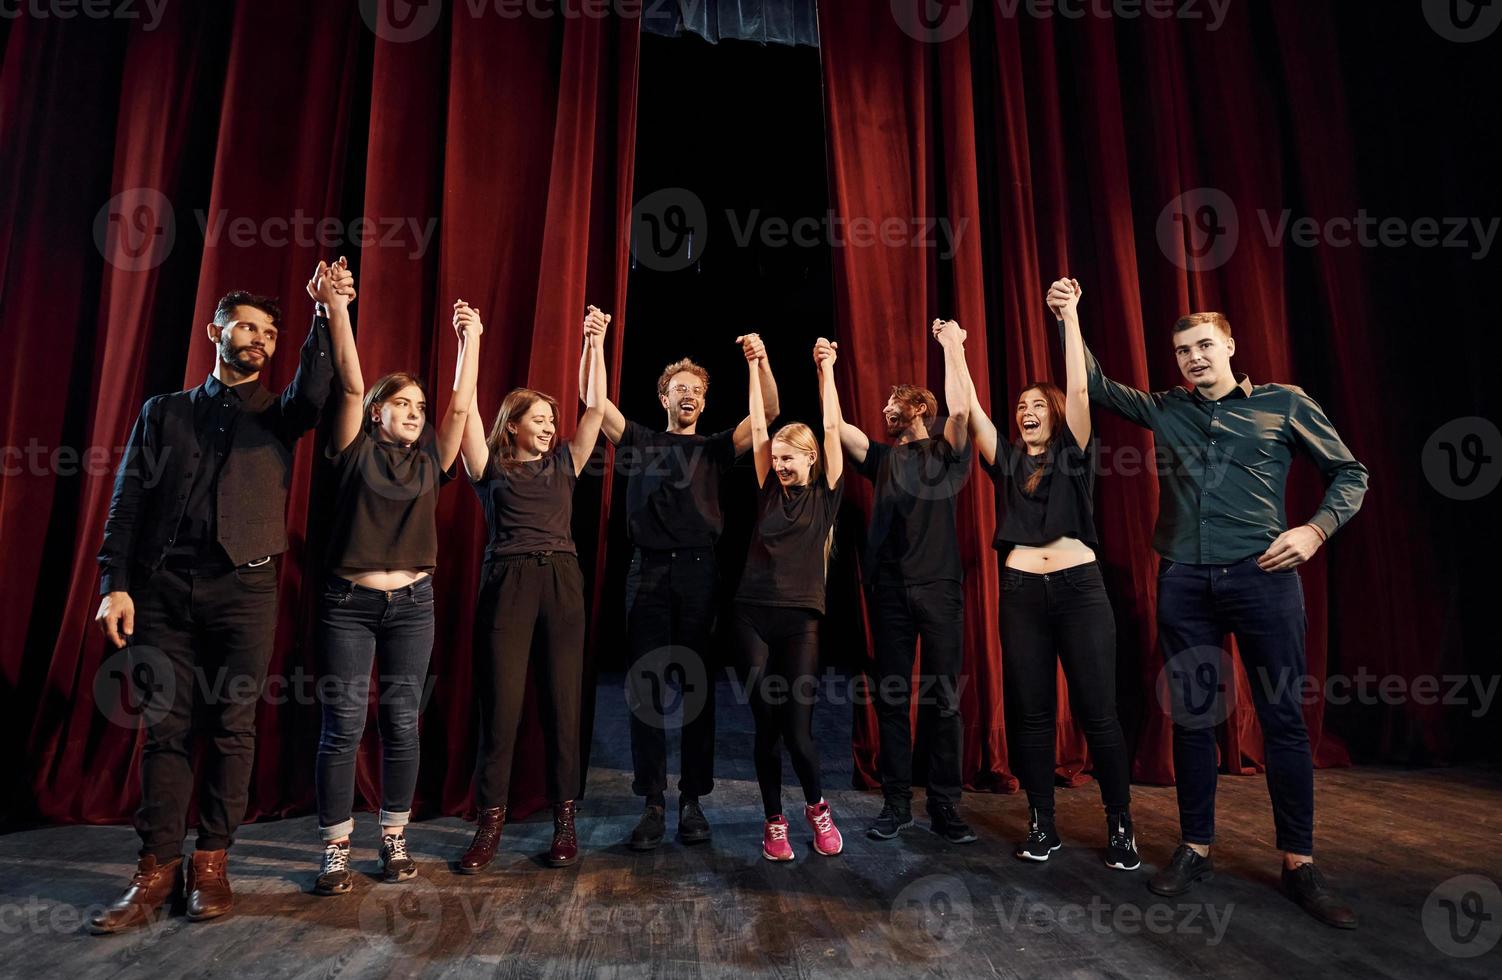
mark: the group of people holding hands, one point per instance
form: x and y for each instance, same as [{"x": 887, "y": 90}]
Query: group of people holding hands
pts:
[{"x": 188, "y": 574}]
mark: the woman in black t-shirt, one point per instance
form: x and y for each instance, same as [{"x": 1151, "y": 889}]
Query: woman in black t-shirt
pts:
[
  {"x": 781, "y": 600},
  {"x": 377, "y": 604},
  {"x": 531, "y": 584},
  {"x": 1054, "y": 606}
]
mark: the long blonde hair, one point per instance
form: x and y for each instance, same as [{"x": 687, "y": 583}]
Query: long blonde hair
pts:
[
  {"x": 502, "y": 442},
  {"x": 801, "y": 438}
]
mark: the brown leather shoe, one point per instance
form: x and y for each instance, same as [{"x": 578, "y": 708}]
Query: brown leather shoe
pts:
[
  {"x": 208, "y": 886},
  {"x": 487, "y": 836},
  {"x": 565, "y": 849},
  {"x": 150, "y": 888}
]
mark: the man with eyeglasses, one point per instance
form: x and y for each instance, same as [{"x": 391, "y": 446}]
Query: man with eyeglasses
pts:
[{"x": 674, "y": 519}]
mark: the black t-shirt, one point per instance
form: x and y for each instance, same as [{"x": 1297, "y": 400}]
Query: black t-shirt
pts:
[
  {"x": 386, "y": 503},
  {"x": 914, "y": 537},
  {"x": 785, "y": 563},
  {"x": 1062, "y": 506},
  {"x": 529, "y": 506},
  {"x": 673, "y": 486}
]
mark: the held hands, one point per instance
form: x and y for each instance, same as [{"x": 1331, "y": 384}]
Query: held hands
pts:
[
  {"x": 333, "y": 285},
  {"x": 117, "y": 617},
  {"x": 595, "y": 323},
  {"x": 948, "y": 332},
  {"x": 1064, "y": 297},
  {"x": 826, "y": 352},
  {"x": 467, "y": 320},
  {"x": 1291, "y": 549},
  {"x": 752, "y": 347}
]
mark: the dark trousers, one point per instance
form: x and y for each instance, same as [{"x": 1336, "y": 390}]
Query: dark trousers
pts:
[
  {"x": 901, "y": 615},
  {"x": 1062, "y": 617},
  {"x": 202, "y": 642},
  {"x": 670, "y": 603},
  {"x": 530, "y": 614},
  {"x": 1197, "y": 606},
  {"x": 779, "y": 654},
  {"x": 358, "y": 628}
]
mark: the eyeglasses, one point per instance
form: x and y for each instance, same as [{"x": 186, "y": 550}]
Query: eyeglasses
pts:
[{"x": 681, "y": 390}]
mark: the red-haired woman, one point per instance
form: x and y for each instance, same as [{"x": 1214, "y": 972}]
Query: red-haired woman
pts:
[
  {"x": 781, "y": 598},
  {"x": 531, "y": 585},
  {"x": 1054, "y": 606},
  {"x": 377, "y": 605}
]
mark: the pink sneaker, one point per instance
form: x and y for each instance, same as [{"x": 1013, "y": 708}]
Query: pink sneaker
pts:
[
  {"x": 774, "y": 841},
  {"x": 827, "y": 839}
]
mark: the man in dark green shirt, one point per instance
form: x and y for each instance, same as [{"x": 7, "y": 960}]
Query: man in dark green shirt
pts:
[{"x": 1224, "y": 446}]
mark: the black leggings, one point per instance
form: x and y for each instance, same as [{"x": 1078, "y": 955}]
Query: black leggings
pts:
[
  {"x": 779, "y": 649},
  {"x": 1063, "y": 617}
]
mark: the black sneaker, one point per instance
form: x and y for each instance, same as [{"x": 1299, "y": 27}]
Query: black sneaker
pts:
[
  {"x": 1042, "y": 839},
  {"x": 649, "y": 830},
  {"x": 335, "y": 878},
  {"x": 892, "y": 819},
  {"x": 1307, "y": 886},
  {"x": 396, "y": 864},
  {"x": 946, "y": 822},
  {"x": 693, "y": 826},
  {"x": 1121, "y": 842},
  {"x": 1184, "y": 869}
]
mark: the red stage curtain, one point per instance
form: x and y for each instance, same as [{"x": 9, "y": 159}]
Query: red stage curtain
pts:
[
  {"x": 492, "y": 160},
  {"x": 1056, "y": 145}
]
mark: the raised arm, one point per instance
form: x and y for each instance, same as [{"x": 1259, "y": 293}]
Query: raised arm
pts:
[
  {"x": 754, "y": 349},
  {"x": 593, "y": 416},
  {"x": 1064, "y": 299},
  {"x": 825, "y": 354},
  {"x": 454, "y": 428},
  {"x": 957, "y": 383},
  {"x": 756, "y": 411},
  {"x": 612, "y": 422},
  {"x": 332, "y": 287},
  {"x": 855, "y": 442},
  {"x": 1131, "y": 404}
]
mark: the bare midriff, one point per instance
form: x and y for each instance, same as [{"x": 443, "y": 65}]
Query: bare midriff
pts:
[{"x": 1056, "y": 555}]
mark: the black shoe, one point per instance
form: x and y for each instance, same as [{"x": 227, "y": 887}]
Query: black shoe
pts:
[
  {"x": 946, "y": 822},
  {"x": 1042, "y": 839},
  {"x": 1121, "y": 842},
  {"x": 396, "y": 863},
  {"x": 693, "y": 826},
  {"x": 334, "y": 878},
  {"x": 1306, "y": 886},
  {"x": 649, "y": 830},
  {"x": 892, "y": 819},
  {"x": 1184, "y": 869}
]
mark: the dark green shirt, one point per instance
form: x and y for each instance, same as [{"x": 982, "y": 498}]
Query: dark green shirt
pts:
[{"x": 1223, "y": 465}]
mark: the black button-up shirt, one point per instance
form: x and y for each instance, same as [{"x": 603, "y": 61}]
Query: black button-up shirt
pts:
[
  {"x": 214, "y": 416},
  {"x": 1223, "y": 465}
]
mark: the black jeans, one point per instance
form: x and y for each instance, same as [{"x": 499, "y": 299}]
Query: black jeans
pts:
[
  {"x": 1062, "y": 617},
  {"x": 359, "y": 627},
  {"x": 779, "y": 650},
  {"x": 522, "y": 599},
  {"x": 670, "y": 603},
  {"x": 901, "y": 615},
  {"x": 207, "y": 638},
  {"x": 1197, "y": 606}
]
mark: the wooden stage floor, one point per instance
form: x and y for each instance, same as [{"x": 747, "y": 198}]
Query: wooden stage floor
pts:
[{"x": 1394, "y": 841}]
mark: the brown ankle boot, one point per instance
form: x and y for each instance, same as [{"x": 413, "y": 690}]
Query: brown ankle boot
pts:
[
  {"x": 565, "y": 849},
  {"x": 209, "y": 895},
  {"x": 487, "y": 836},
  {"x": 153, "y": 884}
]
